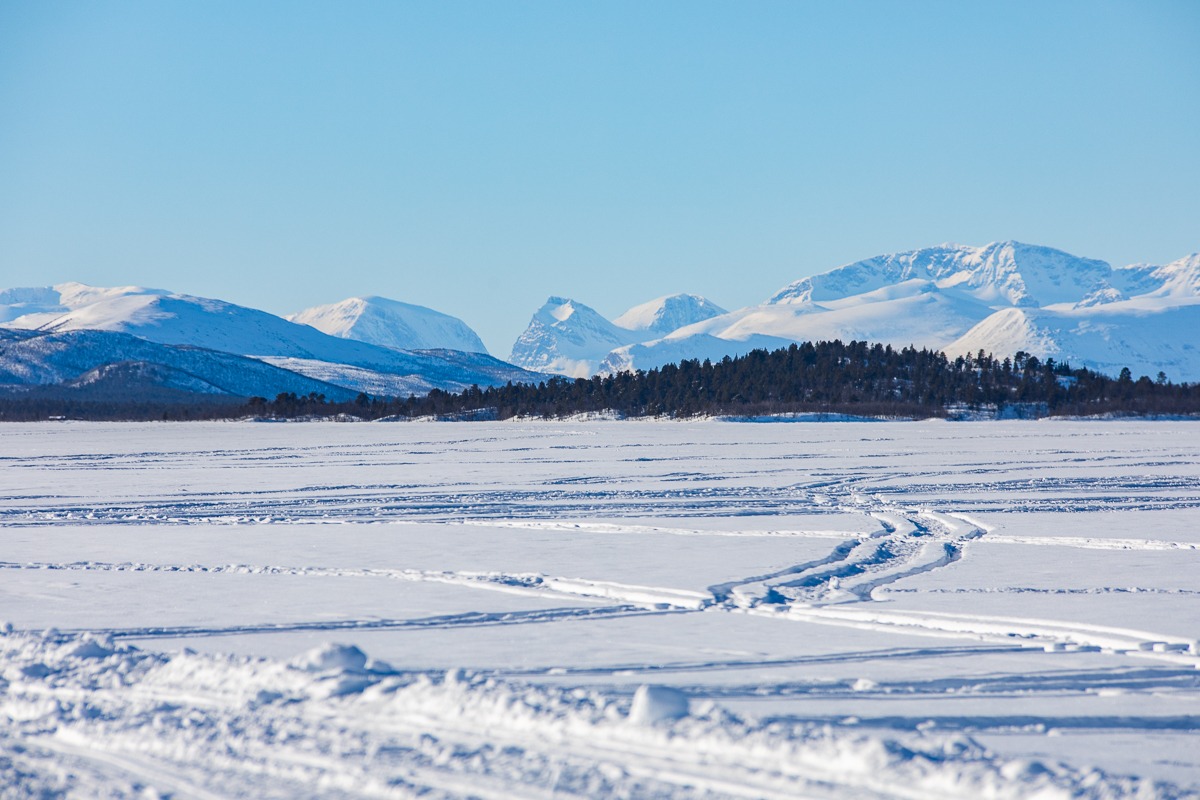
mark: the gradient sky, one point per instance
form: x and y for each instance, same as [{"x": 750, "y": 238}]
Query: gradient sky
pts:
[{"x": 477, "y": 157}]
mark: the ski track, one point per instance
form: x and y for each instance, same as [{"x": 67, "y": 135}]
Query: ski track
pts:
[{"x": 90, "y": 715}]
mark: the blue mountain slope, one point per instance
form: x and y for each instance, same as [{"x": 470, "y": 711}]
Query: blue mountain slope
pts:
[{"x": 29, "y": 358}]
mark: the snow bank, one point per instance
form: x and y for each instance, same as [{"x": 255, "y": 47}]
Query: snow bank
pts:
[{"x": 151, "y": 724}]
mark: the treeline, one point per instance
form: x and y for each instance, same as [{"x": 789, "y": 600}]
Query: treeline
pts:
[
  {"x": 826, "y": 377},
  {"x": 830, "y": 377},
  {"x": 35, "y": 409}
]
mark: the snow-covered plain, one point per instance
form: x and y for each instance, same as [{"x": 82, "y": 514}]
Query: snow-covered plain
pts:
[{"x": 868, "y": 610}]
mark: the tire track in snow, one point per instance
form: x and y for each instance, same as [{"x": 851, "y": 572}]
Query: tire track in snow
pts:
[
  {"x": 823, "y": 591},
  {"x": 836, "y": 591},
  {"x": 473, "y": 619},
  {"x": 529, "y": 584}
]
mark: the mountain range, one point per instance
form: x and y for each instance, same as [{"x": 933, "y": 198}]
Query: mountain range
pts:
[
  {"x": 1002, "y": 298},
  {"x": 70, "y": 329}
]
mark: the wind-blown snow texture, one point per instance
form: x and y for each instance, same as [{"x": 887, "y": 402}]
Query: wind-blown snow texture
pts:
[
  {"x": 1001, "y": 298},
  {"x": 592, "y": 609},
  {"x": 390, "y": 323}
]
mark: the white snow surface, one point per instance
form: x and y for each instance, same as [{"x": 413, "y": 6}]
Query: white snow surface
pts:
[
  {"x": 390, "y": 323},
  {"x": 600, "y": 609}
]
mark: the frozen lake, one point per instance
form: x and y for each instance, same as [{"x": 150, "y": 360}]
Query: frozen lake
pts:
[{"x": 867, "y": 610}]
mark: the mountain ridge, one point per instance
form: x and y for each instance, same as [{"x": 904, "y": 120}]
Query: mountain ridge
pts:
[{"x": 934, "y": 297}]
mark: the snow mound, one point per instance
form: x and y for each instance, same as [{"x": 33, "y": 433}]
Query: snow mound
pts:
[
  {"x": 653, "y": 704},
  {"x": 671, "y": 350},
  {"x": 390, "y": 323},
  {"x": 330, "y": 656},
  {"x": 1179, "y": 279}
]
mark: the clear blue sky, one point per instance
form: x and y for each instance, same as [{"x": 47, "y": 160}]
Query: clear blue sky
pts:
[{"x": 477, "y": 157}]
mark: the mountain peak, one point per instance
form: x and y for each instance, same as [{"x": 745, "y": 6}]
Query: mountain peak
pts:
[
  {"x": 391, "y": 323},
  {"x": 568, "y": 338},
  {"x": 666, "y": 314},
  {"x": 1000, "y": 274}
]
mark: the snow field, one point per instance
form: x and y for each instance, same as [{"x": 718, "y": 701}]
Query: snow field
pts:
[{"x": 916, "y": 610}]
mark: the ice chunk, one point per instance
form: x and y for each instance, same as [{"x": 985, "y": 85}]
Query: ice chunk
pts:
[{"x": 652, "y": 704}]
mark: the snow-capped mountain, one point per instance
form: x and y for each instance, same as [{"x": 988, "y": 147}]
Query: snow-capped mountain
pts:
[
  {"x": 225, "y": 327},
  {"x": 951, "y": 297},
  {"x": 390, "y": 323},
  {"x": 1146, "y": 337},
  {"x": 1178, "y": 280},
  {"x": 998, "y": 274},
  {"x": 568, "y": 338},
  {"x": 1157, "y": 328},
  {"x": 666, "y": 314},
  {"x": 912, "y": 313},
  {"x": 53, "y": 301},
  {"x": 31, "y": 359}
]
